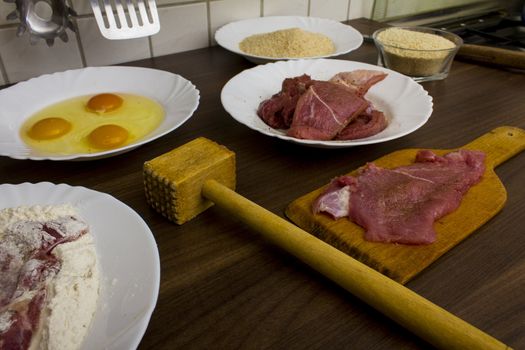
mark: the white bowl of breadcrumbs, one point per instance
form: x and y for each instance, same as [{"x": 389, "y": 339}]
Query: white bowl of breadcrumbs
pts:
[{"x": 419, "y": 52}]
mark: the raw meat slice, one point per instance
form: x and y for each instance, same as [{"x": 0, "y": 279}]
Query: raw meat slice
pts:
[
  {"x": 335, "y": 200},
  {"x": 24, "y": 318},
  {"x": 360, "y": 80},
  {"x": 400, "y": 205},
  {"x": 27, "y": 264},
  {"x": 454, "y": 174},
  {"x": 324, "y": 110},
  {"x": 278, "y": 110},
  {"x": 368, "y": 123}
]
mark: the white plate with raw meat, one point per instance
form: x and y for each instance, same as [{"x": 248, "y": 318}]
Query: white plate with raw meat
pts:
[
  {"x": 405, "y": 104},
  {"x": 128, "y": 286},
  {"x": 344, "y": 37}
]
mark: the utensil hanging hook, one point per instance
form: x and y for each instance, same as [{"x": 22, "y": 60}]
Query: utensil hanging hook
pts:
[{"x": 46, "y": 19}]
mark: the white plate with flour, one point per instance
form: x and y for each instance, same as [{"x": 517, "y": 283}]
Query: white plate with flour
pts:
[
  {"x": 345, "y": 37},
  {"x": 129, "y": 286}
]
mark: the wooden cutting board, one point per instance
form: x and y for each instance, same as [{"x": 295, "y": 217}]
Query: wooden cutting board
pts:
[{"x": 403, "y": 262}]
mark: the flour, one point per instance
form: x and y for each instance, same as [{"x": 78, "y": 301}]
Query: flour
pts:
[
  {"x": 73, "y": 292},
  {"x": 10, "y": 216},
  {"x": 5, "y": 321}
]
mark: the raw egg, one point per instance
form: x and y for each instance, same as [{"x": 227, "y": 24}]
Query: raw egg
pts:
[
  {"x": 103, "y": 103},
  {"x": 108, "y": 136},
  {"x": 49, "y": 128},
  {"x": 91, "y": 124}
]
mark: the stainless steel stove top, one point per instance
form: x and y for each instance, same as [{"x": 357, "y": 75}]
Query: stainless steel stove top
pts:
[
  {"x": 498, "y": 30},
  {"x": 494, "y": 27}
]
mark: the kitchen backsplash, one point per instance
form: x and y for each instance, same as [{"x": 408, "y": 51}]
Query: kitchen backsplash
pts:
[{"x": 185, "y": 25}]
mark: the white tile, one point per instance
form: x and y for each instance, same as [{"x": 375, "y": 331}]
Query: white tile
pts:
[
  {"x": 168, "y": 2},
  {"x": 360, "y": 8},
  {"x": 285, "y": 8},
  {"x": 100, "y": 51},
  {"x": 82, "y": 7},
  {"x": 23, "y": 60},
  {"x": 5, "y": 10},
  {"x": 182, "y": 28},
  {"x": 396, "y": 8},
  {"x": 333, "y": 9},
  {"x": 226, "y": 11}
]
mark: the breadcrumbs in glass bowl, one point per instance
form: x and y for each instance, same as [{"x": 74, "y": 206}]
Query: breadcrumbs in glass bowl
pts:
[{"x": 419, "y": 52}]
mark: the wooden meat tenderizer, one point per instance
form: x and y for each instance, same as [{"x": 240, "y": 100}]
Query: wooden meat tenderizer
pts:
[{"x": 187, "y": 180}]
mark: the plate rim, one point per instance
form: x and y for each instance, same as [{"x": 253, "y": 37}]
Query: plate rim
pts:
[
  {"x": 218, "y": 36},
  {"x": 139, "y": 326},
  {"x": 188, "y": 87},
  {"x": 330, "y": 143}
]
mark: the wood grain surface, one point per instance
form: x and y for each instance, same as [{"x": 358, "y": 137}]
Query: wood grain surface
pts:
[
  {"x": 224, "y": 287},
  {"x": 402, "y": 262}
]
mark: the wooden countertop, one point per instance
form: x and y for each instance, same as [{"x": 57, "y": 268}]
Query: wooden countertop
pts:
[{"x": 224, "y": 287}]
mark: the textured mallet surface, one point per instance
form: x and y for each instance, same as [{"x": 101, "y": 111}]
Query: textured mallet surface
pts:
[{"x": 173, "y": 181}]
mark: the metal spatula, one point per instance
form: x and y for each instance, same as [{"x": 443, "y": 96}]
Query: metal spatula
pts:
[{"x": 126, "y": 19}]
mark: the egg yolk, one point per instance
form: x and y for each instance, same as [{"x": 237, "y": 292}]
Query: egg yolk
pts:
[
  {"x": 103, "y": 103},
  {"x": 49, "y": 128},
  {"x": 108, "y": 136}
]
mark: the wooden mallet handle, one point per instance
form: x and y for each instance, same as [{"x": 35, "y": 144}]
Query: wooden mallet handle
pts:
[{"x": 427, "y": 320}]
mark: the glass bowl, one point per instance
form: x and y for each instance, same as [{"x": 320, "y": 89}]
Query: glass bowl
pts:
[{"x": 419, "y": 52}]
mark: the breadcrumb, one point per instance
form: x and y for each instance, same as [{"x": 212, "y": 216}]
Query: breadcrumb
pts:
[
  {"x": 415, "y": 53},
  {"x": 289, "y": 43}
]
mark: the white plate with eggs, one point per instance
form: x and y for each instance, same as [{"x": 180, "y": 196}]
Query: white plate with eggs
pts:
[{"x": 62, "y": 116}]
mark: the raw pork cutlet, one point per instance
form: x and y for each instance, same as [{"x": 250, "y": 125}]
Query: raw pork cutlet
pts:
[
  {"x": 324, "y": 110},
  {"x": 370, "y": 122},
  {"x": 278, "y": 110},
  {"x": 400, "y": 205},
  {"x": 27, "y": 264},
  {"x": 360, "y": 80}
]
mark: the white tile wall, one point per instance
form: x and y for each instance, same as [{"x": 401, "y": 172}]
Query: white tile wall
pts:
[
  {"x": 82, "y": 7},
  {"x": 183, "y": 28},
  {"x": 286, "y": 8},
  {"x": 23, "y": 60},
  {"x": 396, "y": 8},
  {"x": 6, "y": 9},
  {"x": 99, "y": 51},
  {"x": 185, "y": 25},
  {"x": 334, "y": 9},
  {"x": 226, "y": 11},
  {"x": 360, "y": 8}
]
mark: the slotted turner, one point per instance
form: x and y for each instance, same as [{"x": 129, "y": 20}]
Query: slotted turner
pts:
[{"x": 126, "y": 19}]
